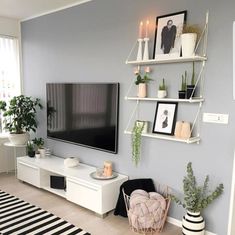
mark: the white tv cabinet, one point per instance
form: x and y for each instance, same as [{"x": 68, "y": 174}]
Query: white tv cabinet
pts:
[{"x": 99, "y": 196}]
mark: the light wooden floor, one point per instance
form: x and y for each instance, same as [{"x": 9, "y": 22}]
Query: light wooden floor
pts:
[{"x": 83, "y": 218}]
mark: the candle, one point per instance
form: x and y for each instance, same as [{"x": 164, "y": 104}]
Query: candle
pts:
[
  {"x": 147, "y": 29},
  {"x": 141, "y": 30},
  {"x": 107, "y": 169}
]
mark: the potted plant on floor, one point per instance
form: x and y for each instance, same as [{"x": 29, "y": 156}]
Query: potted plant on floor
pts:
[
  {"x": 136, "y": 140},
  {"x": 182, "y": 91},
  {"x": 20, "y": 117},
  {"x": 188, "y": 39},
  {"x": 162, "y": 92},
  {"x": 141, "y": 82},
  {"x": 191, "y": 88},
  {"x": 196, "y": 198}
]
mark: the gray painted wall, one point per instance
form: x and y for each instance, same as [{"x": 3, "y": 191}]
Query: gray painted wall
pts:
[{"x": 90, "y": 43}]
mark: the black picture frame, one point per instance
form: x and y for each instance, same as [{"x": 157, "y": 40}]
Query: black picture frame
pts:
[
  {"x": 167, "y": 43},
  {"x": 165, "y": 118}
]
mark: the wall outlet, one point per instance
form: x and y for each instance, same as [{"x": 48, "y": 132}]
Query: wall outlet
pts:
[{"x": 215, "y": 118}]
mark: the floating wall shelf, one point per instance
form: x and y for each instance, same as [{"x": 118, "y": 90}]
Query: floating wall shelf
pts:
[
  {"x": 168, "y": 60},
  {"x": 169, "y": 137}
]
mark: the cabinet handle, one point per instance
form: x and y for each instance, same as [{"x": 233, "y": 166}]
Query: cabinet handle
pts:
[
  {"x": 25, "y": 164},
  {"x": 81, "y": 184}
]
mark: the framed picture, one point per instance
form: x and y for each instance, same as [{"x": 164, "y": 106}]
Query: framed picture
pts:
[
  {"x": 165, "y": 118},
  {"x": 167, "y": 41}
]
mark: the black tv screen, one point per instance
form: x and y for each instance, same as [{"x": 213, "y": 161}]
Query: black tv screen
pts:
[{"x": 84, "y": 114}]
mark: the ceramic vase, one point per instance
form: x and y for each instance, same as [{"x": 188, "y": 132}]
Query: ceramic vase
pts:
[
  {"x": 193, "y": 224},
  {"x": 142, "y": 90},
  {"x": 188, "y": 42}
]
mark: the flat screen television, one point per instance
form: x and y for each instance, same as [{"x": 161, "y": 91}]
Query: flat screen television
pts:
[{"x": 84, "y": 114}]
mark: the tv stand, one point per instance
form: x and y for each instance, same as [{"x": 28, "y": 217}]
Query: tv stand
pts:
[{"x": 99, "y": 196}]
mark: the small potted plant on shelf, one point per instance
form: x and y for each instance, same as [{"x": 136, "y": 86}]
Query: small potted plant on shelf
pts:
[
  {"x": 162, "y": 92},
  {"x": 20, "y": 117},
  {"x": 142, "y": 82},
  {"x": 38, "y": 142},
  {"x": 191, "y": 88},
  {"x": 182, "y": 92},
  {"x": 30, "y": 149},
  {"x": 137, "y": 131},
  {"x": 189, "y": 37},
  {"x": 196, "y": 198}
]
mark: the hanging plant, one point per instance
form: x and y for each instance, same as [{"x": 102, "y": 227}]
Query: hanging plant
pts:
[{"x": 136, "y": 141}]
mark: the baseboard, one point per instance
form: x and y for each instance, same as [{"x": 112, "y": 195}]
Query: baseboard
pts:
[{"x": 178, "y": 223}]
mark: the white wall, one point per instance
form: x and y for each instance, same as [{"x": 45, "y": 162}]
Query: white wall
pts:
[{"x": 9, "y": 27}]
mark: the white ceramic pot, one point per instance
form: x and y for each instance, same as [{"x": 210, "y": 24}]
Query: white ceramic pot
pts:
[
  {"x": 161, "y": 93},
  {"x": 193, "y": 224},
  {"x": 145, "y": 130},
  {"x": 42, "y": 152},
  {"x": 37, "y": 155},
  {"x": 142, "y": 90},
  {"x": 19, "y": 139},
  {"x": 188, "y": 42}
]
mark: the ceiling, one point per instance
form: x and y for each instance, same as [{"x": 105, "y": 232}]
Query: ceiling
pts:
[{"x": 24, "y": 9}]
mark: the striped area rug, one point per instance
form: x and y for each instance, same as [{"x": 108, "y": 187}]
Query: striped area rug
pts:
[{"x": 18, "y": 217}]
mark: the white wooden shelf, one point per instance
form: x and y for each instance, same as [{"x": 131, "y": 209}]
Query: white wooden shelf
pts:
[
  {"x": 193, "y": 100},
  {"x": 168, "y": 60},
  {"x": 169, "y": 137},
  {"x": 59, "y": 192}
]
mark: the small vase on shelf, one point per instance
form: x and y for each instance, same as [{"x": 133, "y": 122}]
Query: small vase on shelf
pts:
[{"x": 142, "y": 90}]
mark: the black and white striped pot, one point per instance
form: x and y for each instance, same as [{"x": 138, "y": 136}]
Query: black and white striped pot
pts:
[{"x": 193, "y": 224}]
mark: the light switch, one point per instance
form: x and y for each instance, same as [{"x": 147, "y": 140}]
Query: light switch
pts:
[{"x": 215, "y": 118}]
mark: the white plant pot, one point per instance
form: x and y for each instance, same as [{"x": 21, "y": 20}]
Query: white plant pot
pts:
[
  {"x": 188, "y": 42},
  {"x": 193, "y": 223},
  {"x": 19, "y": 139},
  {"x": 37, "y": 155},
  {"x": 145, "y": 130},
  {"x": 142, "y": 90},
  {"x": 42, "y": 152},
  {"x": 161, "y": 93}
]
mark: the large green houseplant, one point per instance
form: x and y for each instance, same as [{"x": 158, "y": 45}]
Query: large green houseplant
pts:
[
  {"x": 20, "y": 117},
  {"x": 196, "y": 198}
]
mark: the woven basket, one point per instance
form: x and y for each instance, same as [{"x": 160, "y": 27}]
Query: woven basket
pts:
[{"x": 156, "y": 227}]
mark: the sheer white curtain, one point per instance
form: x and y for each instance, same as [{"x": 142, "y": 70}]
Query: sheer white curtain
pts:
[{"x": 10, "y": 84}]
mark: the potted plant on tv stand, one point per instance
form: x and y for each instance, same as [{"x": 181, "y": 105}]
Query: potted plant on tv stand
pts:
[
  {"x": 38, "y": 142},
  {"x": 196, "y": 198},
  {"x": 182, "y": 91},
  {"x": 30, "y": 149},
  {"x": 20, "y": 117}
]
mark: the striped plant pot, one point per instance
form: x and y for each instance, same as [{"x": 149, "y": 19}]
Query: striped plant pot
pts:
[{"x": 193, "y": 224}]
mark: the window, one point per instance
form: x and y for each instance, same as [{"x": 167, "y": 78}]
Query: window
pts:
[{"x": 10, "y": 84}]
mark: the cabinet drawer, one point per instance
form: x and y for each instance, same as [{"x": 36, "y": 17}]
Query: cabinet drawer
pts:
[
  {"x": 28, "y": 173},
  {"x": 85, "y": 195}
]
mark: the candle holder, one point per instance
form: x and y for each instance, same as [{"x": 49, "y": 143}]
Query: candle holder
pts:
[
  {"x": 140, "y": 48},
  {"x": 146, "y": 49}
]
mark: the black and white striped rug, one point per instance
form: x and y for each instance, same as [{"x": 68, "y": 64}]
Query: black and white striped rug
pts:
[{"x": 18, "y": 217}]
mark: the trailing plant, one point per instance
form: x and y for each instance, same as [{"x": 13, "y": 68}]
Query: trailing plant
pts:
[
  {"x": 140, "y": 79},
  {"x": 193, "y": 76},
  {"x": 184, "y": 81},
  {"x": 196, "y": 198},
  {"x": 136, "y": 141},
  {"x": 162, "y": 87},
  {"x": 20, "y": 114}
]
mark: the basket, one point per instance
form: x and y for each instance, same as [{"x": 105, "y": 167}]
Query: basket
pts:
[{"x": 155, "y": 226}]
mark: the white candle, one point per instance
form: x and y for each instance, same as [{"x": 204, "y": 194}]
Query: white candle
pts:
[
  {"x": 141, "y": 30},
  {"x": 147, "y": 29}
]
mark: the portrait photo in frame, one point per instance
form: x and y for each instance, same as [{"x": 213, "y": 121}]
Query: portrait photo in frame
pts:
[
  {"x": 167, "y": 42},
  {"x": 165, "y": 118}
]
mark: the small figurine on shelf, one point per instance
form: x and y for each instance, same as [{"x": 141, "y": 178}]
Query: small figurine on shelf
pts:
[
  {"x": 142, "y": 83},
  {"x": 162, "y": 93}
]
